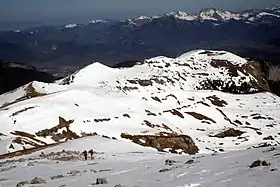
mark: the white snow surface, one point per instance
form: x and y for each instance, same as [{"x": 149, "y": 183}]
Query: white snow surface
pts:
[
  {"x": 131, "y": 167},
  {"x": 110, "y": 101}
]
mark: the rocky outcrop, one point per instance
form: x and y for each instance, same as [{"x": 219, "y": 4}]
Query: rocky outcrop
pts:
[
  {"x": 265, "y": 78},
  {"x": 229, "y": 133},
  {"x": 37, "y": 180},
  {"x": 167, "y": 141},
  {"x": 66, "y": 133}
]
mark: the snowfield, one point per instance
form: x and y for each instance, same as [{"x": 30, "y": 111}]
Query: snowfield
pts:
[{"x": 132, "y": 165}]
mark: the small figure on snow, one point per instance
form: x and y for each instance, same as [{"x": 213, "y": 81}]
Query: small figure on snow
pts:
[
  {"x": 85, "y": 154},
  {"x": 91, "y": 154}
]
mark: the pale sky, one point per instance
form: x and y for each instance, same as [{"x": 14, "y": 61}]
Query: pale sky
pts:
[{"x": 51, "y": 10}]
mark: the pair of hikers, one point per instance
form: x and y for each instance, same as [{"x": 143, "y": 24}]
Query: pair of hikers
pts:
[{"x": 85, "y": 153}]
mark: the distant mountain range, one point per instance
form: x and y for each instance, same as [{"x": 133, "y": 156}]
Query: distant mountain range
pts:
[{"x": 251, "y": 33}]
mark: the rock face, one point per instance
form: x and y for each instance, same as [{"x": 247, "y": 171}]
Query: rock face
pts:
[
  {"x": 13, "y": 75},
  {"x": 171, "y": 142}
]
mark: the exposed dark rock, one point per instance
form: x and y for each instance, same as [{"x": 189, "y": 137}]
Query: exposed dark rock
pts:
[
  {"x": 225, "y": 117},
  {"x": 103, "y": 170},
  {"x": 170, "y": 162},
  {"x": 102, "y": 180},
  {"x": 217, "y": 101},
  {"x": 238, "y": 122},
  {"x": 271, "y": 149},
  {"x": 156, "y": 99},
  {"x": 126, "y": 115},
  {"x": 200, "y": 116},
  {"x": 101, "y": 120},
  {"x": 190, "y": 162},
  {"x": 92, "y": 170},
  {"x": 165, "y": 170},
  {"x": 74, "y": 173},
  {"x": 66, "y": 134},
  {"x": 149, "y": 113},
  {"x": 229, "y": 133},
  {"x": 37, "y": 180},
  {"x": 57, "y": 177},
  {"x": 167, "y": 140},
  {"x": 141, "y": 82},
  {"x": 175, "y": 113},
  {"x": 264, "y": 163},
  {"x": 119, "y": 185},
  {"x": 256, "y": 163},
  {"x": 265, "y": 144},
  {"x": 22, "y": 183},
  {"x": 30, "y": 164},
  {"x": 7, "y": 169},
  {"x": 268, "y": 138},
  {"x": 23, "y": 110}
]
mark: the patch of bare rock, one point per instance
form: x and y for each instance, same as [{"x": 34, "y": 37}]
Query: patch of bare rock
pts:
[
  {"x": 171, "y": 141},
  {"x": 229, "y": 133},
  {"x": 259, "y": 163},
  {"x": 36, "y": 180}
]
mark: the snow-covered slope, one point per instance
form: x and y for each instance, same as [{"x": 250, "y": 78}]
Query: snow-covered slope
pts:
[
  {"x": 135, "y": 166},
  {"x": 159, "y": 96}
]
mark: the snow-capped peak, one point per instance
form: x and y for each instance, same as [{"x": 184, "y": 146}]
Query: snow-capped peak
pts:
[
  {"x": 69, "y": 26},
  {"x": 182, "y": 15},
  {"x": 143, "y": 17},
  {"x": 214, "y": 14},
  {"x": 208, "y": 14},
  {"x": 211, "y": 14},
  {"x": 98, "y": 21}
]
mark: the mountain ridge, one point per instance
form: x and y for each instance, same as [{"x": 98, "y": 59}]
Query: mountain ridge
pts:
[{"x": 156, "y": 103}]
